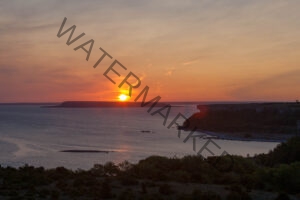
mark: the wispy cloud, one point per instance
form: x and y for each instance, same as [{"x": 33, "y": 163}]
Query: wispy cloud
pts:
[
  {"x": 170, "y": 71},
  {"x": 190, "y": 62},
  {"x": 276, "y": 86}
]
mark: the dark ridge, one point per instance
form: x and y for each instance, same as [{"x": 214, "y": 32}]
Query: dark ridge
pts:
[
  {"x": 28, "y": 104},
  {"x": 85, "y": 151},
  {"x": 248, "y": 119},
  {"x": 101, "y": 104}
]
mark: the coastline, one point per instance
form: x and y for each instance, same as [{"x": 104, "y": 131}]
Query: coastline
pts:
[
  {"x": 262, "y": 122},
  {"x": 253, "y": 137},
  {"x": 158, "y": 177}
]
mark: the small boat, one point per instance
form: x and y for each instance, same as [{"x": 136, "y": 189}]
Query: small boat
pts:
[
  {"x": 85, "y": 151},
  {"x": 146, "y": 131}
]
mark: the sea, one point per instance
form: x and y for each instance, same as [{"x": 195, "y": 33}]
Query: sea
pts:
[{"x": 36, "y": 135}]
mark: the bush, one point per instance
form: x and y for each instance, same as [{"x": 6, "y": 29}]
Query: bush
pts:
[
  {"x": 106, "y": 189},
  {"x": 180, "y": 176},
  {"x": 110, "y": 169},
  {"x": 209, "y": 195},
  {"x": 54, "y": 194},
  {"x": 128, "y": 180},
  {"x": 144, "y": 188},
  {"x": 197, "y": 194},
  {"x": 282, "y": 196},
  {"x": 233, "y": 195},
  {"x": 126, "y": 195},
  {"x": 165, "y": 189},
  {"x": 151, "y": 197}
]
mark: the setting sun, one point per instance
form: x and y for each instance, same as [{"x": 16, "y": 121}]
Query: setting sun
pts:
[{"x": 123, "y": 97}]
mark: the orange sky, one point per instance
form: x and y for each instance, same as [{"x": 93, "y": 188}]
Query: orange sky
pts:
[{"x": 183, "y": 50}]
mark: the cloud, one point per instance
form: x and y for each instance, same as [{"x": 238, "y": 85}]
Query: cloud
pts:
[
  {"x": 190, "y": 62},
  {"x": 6, "y": 71},
  {"x": 170, "y": 71},
  {"x": 225, "y": 36},
  {"x": 278, "y": 86}
]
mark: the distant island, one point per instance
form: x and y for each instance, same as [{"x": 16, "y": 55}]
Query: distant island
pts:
[
  {"x": 249, "y": 120},
  {"x": 85, "y": 151},
  {"x": 95, "y": 104}
]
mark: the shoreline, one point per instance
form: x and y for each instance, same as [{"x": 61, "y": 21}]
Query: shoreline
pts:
[{"x": 253, "y": 137}]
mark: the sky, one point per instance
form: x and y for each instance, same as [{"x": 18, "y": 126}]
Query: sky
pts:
[{"x": 192, "y": 50}]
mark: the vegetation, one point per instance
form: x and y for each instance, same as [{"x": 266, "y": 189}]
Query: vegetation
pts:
[{"x": 163, "y": 178}]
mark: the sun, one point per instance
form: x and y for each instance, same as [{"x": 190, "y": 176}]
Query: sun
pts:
[{"x": 123, "y": 97}]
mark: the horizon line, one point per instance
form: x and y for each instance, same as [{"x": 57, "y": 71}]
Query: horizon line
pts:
[{"x": 202, "y": 101}]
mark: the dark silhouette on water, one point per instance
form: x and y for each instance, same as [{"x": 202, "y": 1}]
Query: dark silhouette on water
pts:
[
  {"x": 100, "y": 104},
  {"x": 85, "y": 151}
]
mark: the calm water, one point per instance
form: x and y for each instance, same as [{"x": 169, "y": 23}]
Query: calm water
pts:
[{"x": 34, "y": 135}]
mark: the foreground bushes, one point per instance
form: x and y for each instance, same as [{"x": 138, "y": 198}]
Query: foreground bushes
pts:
[{"x": 251, "y": 173}]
